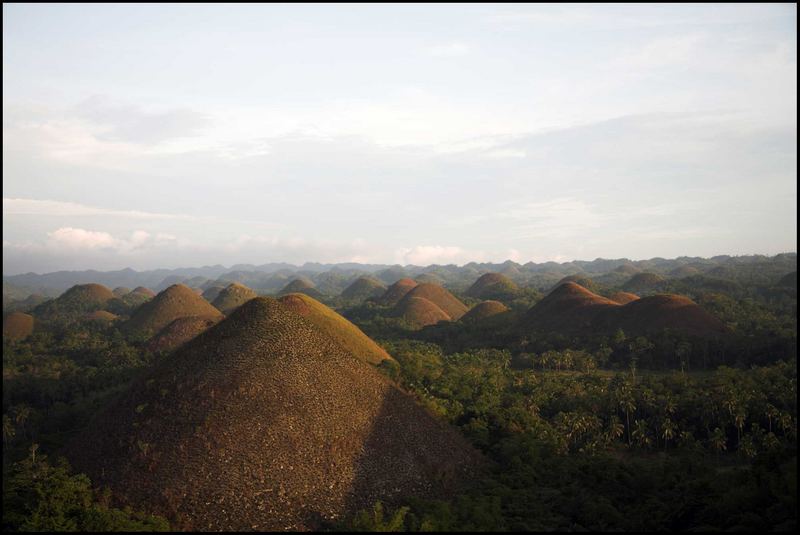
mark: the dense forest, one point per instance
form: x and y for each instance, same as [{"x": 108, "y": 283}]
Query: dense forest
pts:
[{"x": 582, "y": 430}]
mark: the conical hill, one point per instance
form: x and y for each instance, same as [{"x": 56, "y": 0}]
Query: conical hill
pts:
[{"x": 264, "y": 423}]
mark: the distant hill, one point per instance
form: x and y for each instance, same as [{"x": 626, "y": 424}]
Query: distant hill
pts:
[
  {"x": 396, "y": 292},
  {"x": 581, "y": 280},
  {"x": 644, "y": 282},
  {"x": 493, "y": 286},
  {"x": 341, "y": 330},
  {"x": 484, "y": 310},
  {"x": 211, "y": 293},
  {"x": 120, "y": 291},
  {"x": 177, "y": 301},
  {"x": 301, "y": 285},
  {"x": 571, "y": 308},
  {"x": 101, "y": 316},
  {"x": 430, "y": 278},
  {"x": 180, "y": 331},
  {"x": 17, "y": 326},
  {"x": 439, "y": 297},
  {"x": 232, "y": 297},
  {"x": 75, "y": 303},
  {"x": 364, "y": 288},
  {"x": 420, "y": 312},
  {"x": 264, "y": 423}
]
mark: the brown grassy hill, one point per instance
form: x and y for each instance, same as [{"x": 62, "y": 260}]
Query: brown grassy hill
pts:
[
  {"x": 301, "y": 285},
  {"x": 493, "y": 286},
  {"x": 347, "y": 335},
  {"x": 419, "y": 312},
  {"x": 484, "y": 310},
  {"x": 439, "y": 297},
  {"x": 120, "y": 291},
  {"x": 396, "y": 292},
  {"x": 364, "y": 288},
  {"x": 177, "y": 301},
  {"x": 211, "y": 293},
  {"x": 569, "y": 307},
  {"x": 580, "y": 280},
  {"x": 144, "y": 291},
  {"x": 75, "y": 303},
  {"x": 663, "y": 311},
  {"x": 642, "y": 282},
  {"x": 264, "y": 423},
  {"x": 179, "y": 332},
  {"x": 623, "y": 297},
  {"x": 17, "y": 326},
  {"x": 232, "y": 297},
  {"x": 101, "y": 316}
]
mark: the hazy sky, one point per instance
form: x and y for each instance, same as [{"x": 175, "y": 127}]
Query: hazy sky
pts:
[{"x": 178, "y": 135}]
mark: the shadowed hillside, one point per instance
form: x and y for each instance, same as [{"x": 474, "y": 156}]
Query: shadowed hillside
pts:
[
  {"x": 177, "y": 301},
  {"x": 337, "y": 327},
  {"x": 264, "y": 423},
  {"x": 396, "y": 292},
  {"x": 232, "y": 297},
  {"x": 211, "y": 293},
  {"x": 101, "y": 316},
  {"x": 17, "y": 326},
  {"x": 570, "y": 306},
  {"x": 364, "y": 288}
]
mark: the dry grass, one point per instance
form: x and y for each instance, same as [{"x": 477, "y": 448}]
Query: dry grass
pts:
[
  {"x": 419, "y": 312},
  {"x": 347, "y": 335},
  {"x": 439, "y": 297},
  {"x": 232, "y": 297},
  {"x": 623, "y": 297},
  {"x": 264, "y": 423},
  {"x": 484, "y": 310},
  {"x": 179, "y": 332},
  {"x": 177, "y": 301},
  {"x": 396, "y": 292}
]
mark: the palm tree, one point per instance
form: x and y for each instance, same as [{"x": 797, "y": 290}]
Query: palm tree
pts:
[
  {"x": 772, "y": 412},
  {"x": 8, "y": 430},
  {"x": 739, "y": 420},
  {"x": 640, "y": 432},
  {"x": 615, "y": 429},
  {"x": 719, "y": 441},
  {"x": 667, "y": 431},
  {"x": 21, "y": 415}
]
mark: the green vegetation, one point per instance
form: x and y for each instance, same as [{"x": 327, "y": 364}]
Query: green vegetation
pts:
[{"x": 584, "y": 430}]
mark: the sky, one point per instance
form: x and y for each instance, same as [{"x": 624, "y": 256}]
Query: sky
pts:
[{"x": 163, "y": 136}]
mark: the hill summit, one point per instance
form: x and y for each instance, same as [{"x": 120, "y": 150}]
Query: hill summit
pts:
[
  {"x": 396, "y": 292},
  {"x": 493, "y": 286},
  {"x": 364, "y": 288},
  {"x": 177, "y": 301},
  {"x": 264, "y": 423},
  {"x": 232, "y": 297}
]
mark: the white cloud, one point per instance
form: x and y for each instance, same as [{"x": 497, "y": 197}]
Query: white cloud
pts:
[
  {"x": 77, "y": 238},
  {"x": 41, "y": 207}
]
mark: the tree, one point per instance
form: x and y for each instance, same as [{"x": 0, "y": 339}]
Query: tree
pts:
[
  {"x": 719, "y": 441},
  {"x": 373, "y": 520},
  {"x": 641, "y": 435},
  {"x": 667, "y": 431}
]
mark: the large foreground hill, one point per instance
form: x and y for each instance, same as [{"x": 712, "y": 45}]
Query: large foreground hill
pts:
[{"x": 263, "y": 422}]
